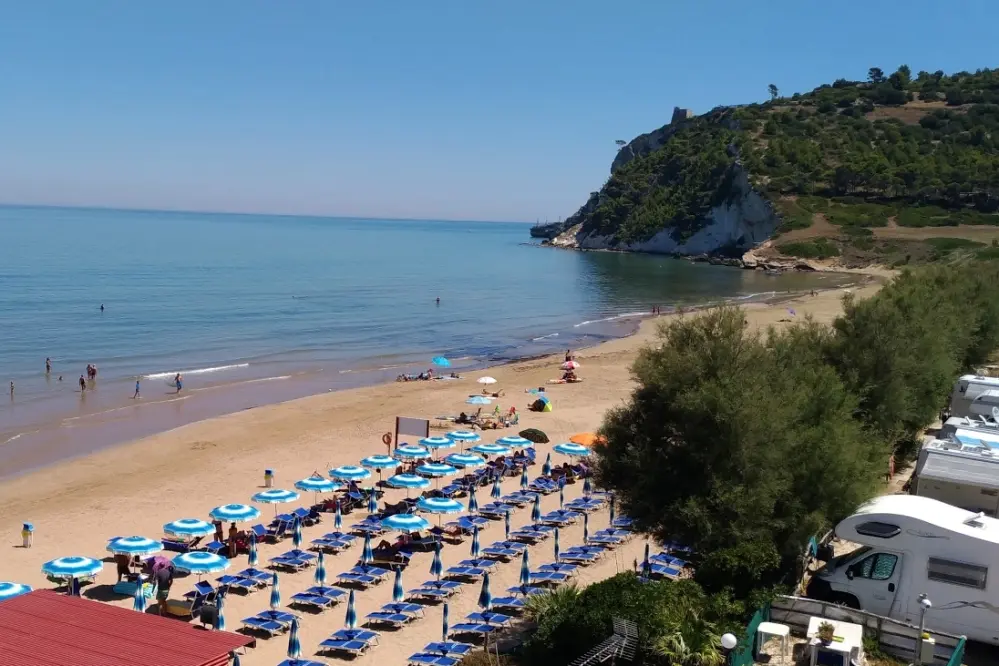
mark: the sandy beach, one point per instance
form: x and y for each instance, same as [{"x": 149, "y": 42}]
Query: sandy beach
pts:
[{"x": 135, "y": 488}]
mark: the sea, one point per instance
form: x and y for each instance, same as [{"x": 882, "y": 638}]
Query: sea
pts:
[{"x": 257, "y": 309}]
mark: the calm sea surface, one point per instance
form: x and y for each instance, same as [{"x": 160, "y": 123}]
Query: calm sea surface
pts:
[{"x": 301, "y": 304}]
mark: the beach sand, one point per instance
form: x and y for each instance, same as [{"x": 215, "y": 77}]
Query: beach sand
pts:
[{"x": 136, "y": 488}]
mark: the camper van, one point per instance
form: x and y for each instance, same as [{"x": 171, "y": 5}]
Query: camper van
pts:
[
  {"x": 978, "y": 424},
  {"x": 962, "y": 471},
  {"x": 909, "y": 545},
  {"x": 969, "y": 387}
]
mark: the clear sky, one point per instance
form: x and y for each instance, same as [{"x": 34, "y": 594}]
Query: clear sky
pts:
[{"x": 449, "y": 109}]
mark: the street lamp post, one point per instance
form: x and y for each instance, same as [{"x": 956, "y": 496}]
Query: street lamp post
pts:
[{"x": 728, "y": 641}]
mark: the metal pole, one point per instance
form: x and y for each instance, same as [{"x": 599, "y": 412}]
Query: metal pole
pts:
[{"x": 924, "y": 605}]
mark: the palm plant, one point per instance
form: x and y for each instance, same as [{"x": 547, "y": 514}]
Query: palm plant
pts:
[
  {"x": 692, "y": 641},
  {"x": 553, "y": 601}
]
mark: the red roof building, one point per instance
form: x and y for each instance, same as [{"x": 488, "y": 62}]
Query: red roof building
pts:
[{"x": 44, "y": 628}]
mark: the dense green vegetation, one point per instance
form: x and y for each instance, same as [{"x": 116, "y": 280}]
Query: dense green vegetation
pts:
[
  {"x": 820, "y": 248},
  {"x": 920, "y": 150},
  {"x": 743, "y": 445}
]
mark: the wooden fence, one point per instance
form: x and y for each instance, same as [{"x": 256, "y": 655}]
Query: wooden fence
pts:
[{"x": 895, "y": 638}]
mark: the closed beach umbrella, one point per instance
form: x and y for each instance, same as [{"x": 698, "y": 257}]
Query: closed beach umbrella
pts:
[
  {"x": 464, "y": 435},
  {"x": 473, "y": 503},
  {"x": 586, "y": 527},
  {"x": 275, "y": 592},
  {"x": 397, "y": 593},
  {"x": 646, "y": 563},
  {"x": 199, "y": 562},
  {"x": 485, "y": 380},
  {"x": 235, "y": 513},
  {"x": 373, "y": 502},
  {"x": 139, "y": 600},
  {"x": 337, "y": 518},
  {"x": 525, "y": 483},
  {"x": 587, "y": 488},
  {"x": 72, "y": 567},
  {"x": 189, "y": 527},
  {"x": 235, "y": 659},
  {"x": 406, "y": 522},
  {"x": 367, "y": 557},
  {"x": 611, "y": 509},
  {"x": 412, "y": 451},
  {"x": 465, "y": 460},
  {"x": 294, "y": 646},
  {"x": 436, "y": 470},
  {"x": 571, "y": 449},
  {"x": 436, "y": 566},
  {"x": 497, "y": 490},
  {"x": 408, "y": 481},
  {"x": 350, "y": 620},
  {"x": 546, "y": 469},
  {"x": 320, "y": 575},
  {"x": 444, "y": 619},
  {"x": 555, "y": 547},
  {"x": 476, "y": 551},
  {"x": 296, "y": 534},
  {"x": 220, "y": 610},
  {"x": 488, "y": 449},
  {"x": 437, "y": 443},
  {"x": 441, "y": 362},
  {"x": 515, "y": 441},
  {"x": 350, "y": 473},
  {"x": 134, "y": 545},
  {"x": 506, "y": 525},
  {"x": 536, "y": 510},
  {"x": 485, "y": 596},
  {"x": 251, "y": 558},
  {"x": 10, "y": 590},
  {"x": 525, "y": 571},
  {"x": 479, "y": 400}
]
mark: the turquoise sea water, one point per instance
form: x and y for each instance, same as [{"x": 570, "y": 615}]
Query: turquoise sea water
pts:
[{"x": 305, "y": 304}]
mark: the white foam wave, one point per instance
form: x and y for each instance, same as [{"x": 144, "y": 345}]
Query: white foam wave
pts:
[
  {"x": 545, "y": 337},
  {"x": 625, "y": 315},
  {"x": 196, "y": 371}
]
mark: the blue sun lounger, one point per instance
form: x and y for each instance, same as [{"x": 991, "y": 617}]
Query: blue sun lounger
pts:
[
  {"x": 292, "y": 563},
  {"x": 560, "y": 518},
  {"x": 622, "y": 523},
  {"x": 452, "y": 648},
  {"x": 579, "y": 557},
  {"x": 549, "y": 577},
  {"x": 313, "y": 600},
  {"x": 473, "y": 628},
  {"x": 486, "y": 617},
  {"x": 665, "y": 571},
  {"x": 531, "y": 534},
  {"x": 391, "y": 619},
  {"x": 423, "y": 659},
  {"x": 427, "y": 593},
  {"x": 500, "y": 553},
  {"x": 351, "y": 578},
  {"x": 528, "y": 591},
  {"x": 559, "y": 567},
  {"x": 270, "y": 622},
  {"x": 300, "y": 662},
  {"x": 512, "y": 603},
  {"x": 340, "y": 536},
  {"x": 340, "y": 645},
  {"x": 229, "y": 582},
  {"x": 465, "y": 572},
  {"x": 332, "y": 546},
  {"x": 416, "y": 610},
  {"x": 263, "y": 578},
  {"x": 605, "y": 540},
  {"x": 481, "y": 563},
  {"x": 495, "y": 510},
  {"x": 326, "y": 591}
]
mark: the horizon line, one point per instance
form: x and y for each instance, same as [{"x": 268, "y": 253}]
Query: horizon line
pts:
[{"x": 4, "y": 204}]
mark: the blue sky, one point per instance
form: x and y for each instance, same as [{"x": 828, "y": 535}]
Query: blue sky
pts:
[{"x": 450, "y": 109}]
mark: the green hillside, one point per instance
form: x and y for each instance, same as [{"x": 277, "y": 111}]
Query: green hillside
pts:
[{"x": 893, "y": 151}]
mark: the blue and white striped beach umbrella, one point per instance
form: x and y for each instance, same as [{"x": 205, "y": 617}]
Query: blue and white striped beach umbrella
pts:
[
  {"x": 436, "y": 470},
  {"x": 373, "y": 502},
  {"x": 497, "y": 490},
  {"x": 296, "y": 534},
  {"x": 251, "y": 558},
  {"x": 439, "y": 505},
  {"x": 338, "y": 518},
  {"x": 444, "y": 622},
  {"x": 441, "y": 362},
  {"x": 379, "y": 462},
  {"x": 646, "y": 562},
  {"x": 536, "y": 510},
  {"x": 189, "y": 527},
  {"x": 476, "y": 550},
  {"x": 199, "y": 562},
  {"x": 275, "y": 496},
  {"x": 10, "y": 590},
  {"x": 275, "y": 592},
  {"x": 485, "y": 596},
  {"x": 465, "y": 460},
  {"x": 294, "y": 645},
  {"x": 316, "y": 484},
  {"x": 406, "y": 522},
  {"x": 437, "y": 443},
  {"x": 487, "y": 449},
  {"x": 72, "y": 567},
  {"x": 515, "y": 441},
  {"x": 397, "y": 592},
  {"x": 525, "y": 483},
  {"x": 411, "y": 451},
  {"x": 134, "y": 545},
  {"x": 571, "y": 449},
  {"x": 367, "y": 557},
  {"x": 586, "y": 527},
  {"x": 525, "y": 571},
  {"x": 546, "y": 469},
  {"x": 473, "y": 502},
  {"x": 320, "y": 575},
  {"x": 139, "y": 600},
  {"x": 610, "y": 502},
  {"x": 350, "y": 473},
  {"x": 587, "y": 487},
  {"x": 350, "y": 620},
  {"x": 506, "y": 526},
  {"x": 408, "y": 481},
  {"x": 464, "y": 435},
  {"x": 220, "y": 610},
  {"x": 436, "y": 566},
  {"x": 555, "y": 547},
  {"x": 235, "y": 513}
]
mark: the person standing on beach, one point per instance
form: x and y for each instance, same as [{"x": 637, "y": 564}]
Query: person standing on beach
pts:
[
  {"x": 48, "y": 365},
  {"x": 136, "y": 389},
  {"x": 163, "y": 579}
]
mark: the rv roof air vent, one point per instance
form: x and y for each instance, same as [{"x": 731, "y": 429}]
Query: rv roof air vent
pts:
[
  {"x": 975, "y": 520},
  {"x": 879, "y": 530}
]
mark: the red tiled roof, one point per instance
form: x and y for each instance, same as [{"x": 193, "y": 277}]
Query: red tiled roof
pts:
[{"x": 44, "y": 628}]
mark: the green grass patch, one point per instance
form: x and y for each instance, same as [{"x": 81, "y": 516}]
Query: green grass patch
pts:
[
  {"x": 859, "y": 215},
  {"x": 948, "y": 244},
  {"x": 820, "y": 248},
  {"x": 793, "y": 215},
  {"x": 988, "y": 253},
  {"x": 935, "y": 216}
]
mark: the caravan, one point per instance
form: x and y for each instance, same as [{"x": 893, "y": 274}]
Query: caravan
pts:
[
  {"x": 913, "y": 545},
  {"x": 973, "y": 394}
]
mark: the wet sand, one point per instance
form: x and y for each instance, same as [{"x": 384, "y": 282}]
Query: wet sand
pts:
[{"x": 136, "y": 487}]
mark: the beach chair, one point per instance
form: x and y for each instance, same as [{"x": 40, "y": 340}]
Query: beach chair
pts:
[
  {"x": 559, "y": 567},
  {"x": 500, "y": 552},
  {"x": 528, "y": 591},
  {"x": 452, "y": 490},
  {"x": 622, "y": 523},
  {"x": 245, "y": 585},
  {"x": 331, "y": 546},
  {"x": 351, "y": 647},
  {"x": 216, "y": 548},
  {"x": 428, "y": 594},
  {"x": 333, "y": 593},
  {"x": 340, "y": 536},
  {"x": 176, "y": 545},
  {"x": 298, "y": 554},
  {"x": 416, "y": 610},
  {"x": 665, "y": 571},
  {"x": 475, "y": 628},
  {"x": 559, "y": 518},
  {"x": 452, "y": 648},
  {"x": 518, "y": 498},
  {"x": 488, "y": 617},
  {"x": 549, "y": 577},
  {"x": 495, "y": 510},
  {"x": 301, "y": 662},
  {"x": 436, "y": 589},
  {"x": 291, "y": 563},
  {"x": 262, "y": 578},
  {"x": 368, "y": 570},
  {"x": 422, "y": 659},
  {"x": 257, "y": 624},
  {"x": 481, "y": 563},
  {"x": 360, "y": 580},
  {"x": 510, "y": 603},
  {"x": 465, "y": 572},
  {"x": 578, "y": 557},
  {"x": 395, "y": 620},
  {"x": 316, "y": 601},
  {"x": 605, "y": 540}
]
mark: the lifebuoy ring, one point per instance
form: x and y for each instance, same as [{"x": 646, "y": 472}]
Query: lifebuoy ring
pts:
[{"x": 387, "y": 439}]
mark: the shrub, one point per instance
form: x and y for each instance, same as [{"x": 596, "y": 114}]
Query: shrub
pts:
[{"x": 820, "y": 248}]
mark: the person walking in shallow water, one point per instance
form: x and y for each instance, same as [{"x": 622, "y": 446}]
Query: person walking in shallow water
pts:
[
  {"x": 179, "y": 381},
  {"x": 136, "y": 390},
  {"x": 48, "y": 365},
  {"x": 83, "y": 384}
]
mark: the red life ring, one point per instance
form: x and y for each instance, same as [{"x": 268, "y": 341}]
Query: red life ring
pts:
[{"x": 387, "y": 439}]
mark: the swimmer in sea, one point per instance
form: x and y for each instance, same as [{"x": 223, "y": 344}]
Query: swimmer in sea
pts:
[{"x": 438, "y": 300}]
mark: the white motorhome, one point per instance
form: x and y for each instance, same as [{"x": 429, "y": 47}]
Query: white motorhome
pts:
[
  {"x": 963, "y": 471},
  {"x": 911, "y": 545},
  {"x": 969, "y": 387},
  {"x": 985, "y": 425}
]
